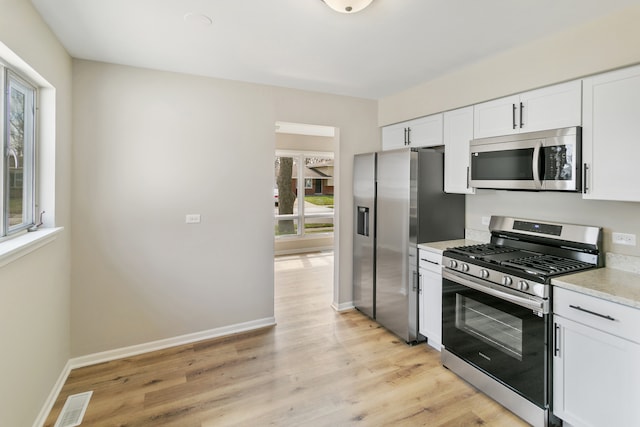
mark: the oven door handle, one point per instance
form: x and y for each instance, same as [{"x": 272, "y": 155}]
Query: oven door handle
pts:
[{"x": 537, "y": 305}]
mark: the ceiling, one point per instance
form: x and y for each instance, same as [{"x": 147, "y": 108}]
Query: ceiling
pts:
[{"x": 390, "y": 46}]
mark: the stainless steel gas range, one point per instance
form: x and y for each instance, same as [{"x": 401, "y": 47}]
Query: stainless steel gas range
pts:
[{"x": 496, "y": 308}]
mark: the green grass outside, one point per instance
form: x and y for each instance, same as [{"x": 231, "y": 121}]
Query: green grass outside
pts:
[{"x": 320, "y": 200}]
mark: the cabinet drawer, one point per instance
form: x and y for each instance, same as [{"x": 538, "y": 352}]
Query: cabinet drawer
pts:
[
  {"x": 430, "y": 261},
  {"x": 610, "y": 317}
]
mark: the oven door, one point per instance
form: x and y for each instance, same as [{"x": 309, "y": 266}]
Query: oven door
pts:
[{"x": 507, "y": 339}]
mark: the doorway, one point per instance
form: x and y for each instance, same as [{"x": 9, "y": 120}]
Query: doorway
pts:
[{"x": 318, "y": 163}]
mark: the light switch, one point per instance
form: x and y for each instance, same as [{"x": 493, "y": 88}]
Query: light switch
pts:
[{"x": 192, "y": 219}]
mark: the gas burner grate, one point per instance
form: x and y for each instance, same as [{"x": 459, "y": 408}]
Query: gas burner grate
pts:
[
  {"x": 482, "y": 250},
  {"x": 547, "y": 264}
]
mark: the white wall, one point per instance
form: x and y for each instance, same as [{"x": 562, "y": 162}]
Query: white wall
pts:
[
  {"x": 151, "y": 147},
  {"x": 34, "y": 290},
  {"x": 609, "y": 43}
]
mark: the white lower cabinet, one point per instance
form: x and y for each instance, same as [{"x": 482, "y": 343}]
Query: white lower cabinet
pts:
[
  {"x": 430, "y": 298},
  {"x": 596, "y": 373}
]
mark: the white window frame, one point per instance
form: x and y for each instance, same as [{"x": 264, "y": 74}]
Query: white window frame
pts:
[
  {"x": 11, "y": 79},
  {"x": 301, "y": 186}
]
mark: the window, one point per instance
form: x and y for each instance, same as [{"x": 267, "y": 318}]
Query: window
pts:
[
  {"x": 17, "y": 170},
  {"x": 315, "y": 215}
]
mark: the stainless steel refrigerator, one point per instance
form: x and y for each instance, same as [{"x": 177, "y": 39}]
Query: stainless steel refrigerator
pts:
[{"x": 399, "y": 202}]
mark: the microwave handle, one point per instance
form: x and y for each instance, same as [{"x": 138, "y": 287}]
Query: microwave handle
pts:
[{"x": 536, "y": 164}]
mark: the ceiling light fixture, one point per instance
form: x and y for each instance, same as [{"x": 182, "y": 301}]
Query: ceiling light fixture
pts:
[{"x": 347, "y": 6}]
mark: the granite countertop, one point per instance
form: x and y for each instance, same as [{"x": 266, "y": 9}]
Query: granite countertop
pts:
[
  {"x": 439, "y": 247},
  {"x": 614, "y": 285}
]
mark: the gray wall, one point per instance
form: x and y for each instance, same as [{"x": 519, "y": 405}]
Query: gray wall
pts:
[
  {"x": 153, "y": 146},
  {"x": 34, "y": 290}
]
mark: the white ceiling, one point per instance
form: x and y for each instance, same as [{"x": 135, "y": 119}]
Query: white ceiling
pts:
[{"x": 391, "y": 46}]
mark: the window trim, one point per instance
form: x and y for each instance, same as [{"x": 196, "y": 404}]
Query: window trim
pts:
[{"x": 11, "y": 78}]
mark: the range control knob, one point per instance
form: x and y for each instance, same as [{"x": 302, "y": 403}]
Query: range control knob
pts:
[
  {"x": 464, "y": 267},
  {"x": 484, "y": 273},
  {"x": 522, "y": 285},
  {"x": 453, "y": 264},
  {"x": 507, "y": 281}
]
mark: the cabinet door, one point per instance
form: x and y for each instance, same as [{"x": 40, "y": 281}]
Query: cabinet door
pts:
[
  {"x": 596, "y": 377},
  {"x": 426, "y": 131},
  {"x": 458, "y": 131},
  {"x": 496, "y": 117},
  {"x": 552, "y": 107},
  {"x": 431, "y": 308},
  {"x": 610, "y": 144},
  {"x": 394, "y": 136}
]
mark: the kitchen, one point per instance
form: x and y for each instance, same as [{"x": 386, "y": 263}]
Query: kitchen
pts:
[
  {"x": 359, "y": 133},
  {"x": 467, "y": 331}
]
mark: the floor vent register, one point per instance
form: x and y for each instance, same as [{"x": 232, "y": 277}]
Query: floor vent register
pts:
[{"x": 73, "y": 410}]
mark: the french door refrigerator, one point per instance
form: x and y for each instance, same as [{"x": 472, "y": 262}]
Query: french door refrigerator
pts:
[{"x": 406, "y": 206}]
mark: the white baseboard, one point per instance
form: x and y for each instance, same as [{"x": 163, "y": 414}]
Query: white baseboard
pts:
[
  {"x": 53, "y": 395},
  {"x": 120, "y": 353},
  {"x": 345, "y": 306}
]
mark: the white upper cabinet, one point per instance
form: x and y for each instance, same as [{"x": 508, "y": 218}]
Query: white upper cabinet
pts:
[
  {"x": 422, "y": 132},
  {"x": 610, "y": 143},
  {"x": 458, "y": 131},
  {"x": 551, "y": 107}
]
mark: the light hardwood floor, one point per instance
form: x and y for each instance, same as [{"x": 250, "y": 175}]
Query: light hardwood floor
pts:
[{"x": 315, "y": 368}]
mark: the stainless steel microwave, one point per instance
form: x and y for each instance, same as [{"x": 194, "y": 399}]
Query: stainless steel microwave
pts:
[{"x": 545, "y": 160}]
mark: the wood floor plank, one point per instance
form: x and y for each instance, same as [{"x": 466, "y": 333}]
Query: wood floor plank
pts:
[{"x": 316, "y": 367}]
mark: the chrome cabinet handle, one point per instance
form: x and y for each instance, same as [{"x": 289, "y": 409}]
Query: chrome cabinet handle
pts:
[
  {"x": 556, "y": 338},
  {"x": 514, "y": 116},
  {"x": 585, "y": 186},
  {"x": 604, "y": 316},
  {"x": 468, "y": 182},
  {"x": 408, "y": 136},
  {"x": 521, "y": 115}
]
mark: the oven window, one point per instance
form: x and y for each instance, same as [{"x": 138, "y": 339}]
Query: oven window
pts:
[{"x": 492, "y": 326}]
